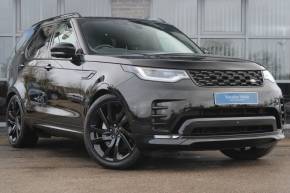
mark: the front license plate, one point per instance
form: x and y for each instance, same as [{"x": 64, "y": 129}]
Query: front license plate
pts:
[{"x": 235, "y": 98}]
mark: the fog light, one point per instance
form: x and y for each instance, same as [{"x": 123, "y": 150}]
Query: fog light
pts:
[{"x": 166, "y": 136}]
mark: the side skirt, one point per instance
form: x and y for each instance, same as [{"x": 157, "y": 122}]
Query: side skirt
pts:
[{"x": 59, "y": 131}]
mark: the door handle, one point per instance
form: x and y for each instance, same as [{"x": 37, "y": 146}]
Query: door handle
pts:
[
  {"x": 87, "y": 75},
  {"x": 20, "y": 66},
  {"x": 48, "y": 67}
]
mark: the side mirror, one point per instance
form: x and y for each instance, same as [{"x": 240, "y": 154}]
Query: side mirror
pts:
[
  {"x": 63, "y": 50},
  {"x": 205, "y": 51}
]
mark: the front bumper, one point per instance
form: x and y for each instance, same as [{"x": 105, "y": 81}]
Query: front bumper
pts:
[
  {"x": 187, "y": 138},
  {"x": 157, "y": 107},
  {"x": 228, "y": 125},
  {"x": 176, "y": 110},
  {"x": 208, "y": 143}
]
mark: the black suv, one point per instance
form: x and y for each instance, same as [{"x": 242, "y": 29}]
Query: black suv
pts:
[{"x": 129, "y": 85}]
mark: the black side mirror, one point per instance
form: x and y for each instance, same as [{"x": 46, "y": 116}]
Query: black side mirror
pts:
[{"x": 63, "y": 50}]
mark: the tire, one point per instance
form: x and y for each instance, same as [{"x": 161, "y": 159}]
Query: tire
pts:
[
  {"x": 107, "y": 134},
  {"x": 251, "y": 153},
  {"x": 19, "y": 135}
]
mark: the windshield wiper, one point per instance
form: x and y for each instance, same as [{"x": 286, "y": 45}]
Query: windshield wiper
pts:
[
  {"x": 130, "y": 54},
  {"x": 177, "y": 55}
]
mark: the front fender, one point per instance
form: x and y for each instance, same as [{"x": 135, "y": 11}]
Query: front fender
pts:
[{"x": 105, "y": 81}]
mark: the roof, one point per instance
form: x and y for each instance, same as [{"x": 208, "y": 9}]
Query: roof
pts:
[
  {"x": 59, "y": 17},
  {"x": 77, "y": 15}
]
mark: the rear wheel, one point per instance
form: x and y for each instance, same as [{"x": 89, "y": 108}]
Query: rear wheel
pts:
[
  {"x": 19, "y": 135},
  {"x": 108, "y": 137},
  {"x": 249, "y": 153}
]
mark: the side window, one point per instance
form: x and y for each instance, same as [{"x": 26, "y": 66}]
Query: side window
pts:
[
  {"x": 39, "y": 46},
  {"x": 64, "y": 34},
  {"x": 27, "y": 34}
]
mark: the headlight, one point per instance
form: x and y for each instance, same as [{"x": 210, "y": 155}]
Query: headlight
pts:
[
  {"x": 157, "y": 74},
  {"x": 268, "y": 76}
]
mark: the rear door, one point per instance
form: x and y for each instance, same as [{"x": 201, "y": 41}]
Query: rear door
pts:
[
  {"x": 36, "y": 76},
  {"x": 15, "y": 67}
]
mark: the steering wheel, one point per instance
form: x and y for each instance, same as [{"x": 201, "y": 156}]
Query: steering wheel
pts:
[{"x": 103, "y": 46}]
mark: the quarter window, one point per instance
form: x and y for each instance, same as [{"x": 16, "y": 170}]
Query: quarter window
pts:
[
  {"x": 39, "y": 47},
  {"x": 27, "y": 34}
]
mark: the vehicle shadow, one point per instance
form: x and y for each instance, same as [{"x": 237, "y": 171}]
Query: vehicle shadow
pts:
[
  {"x": 193, "y": 160},
  {"x": 63, "y": 147},
  {"x": 162, "y": 160},
  {"x": 150, "y": 161}
]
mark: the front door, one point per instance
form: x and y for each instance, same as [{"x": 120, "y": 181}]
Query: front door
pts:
[{"x": 64, "y": 96}]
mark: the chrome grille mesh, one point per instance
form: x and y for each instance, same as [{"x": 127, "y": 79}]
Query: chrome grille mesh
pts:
[{"x": 227, "y": 77}]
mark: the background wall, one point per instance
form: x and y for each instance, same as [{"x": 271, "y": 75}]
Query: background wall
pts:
[
  {"x": 253, "y": 29},
  {"x": 17, "y": 15}
]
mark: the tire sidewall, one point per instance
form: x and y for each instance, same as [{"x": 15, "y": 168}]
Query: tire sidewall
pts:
[
  {"x": 19, "y": 140},
  {"x": 128, "y": 161}
]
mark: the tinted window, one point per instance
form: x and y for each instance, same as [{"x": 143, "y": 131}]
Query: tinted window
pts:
[
  {"x": 39, "y": 46},
  {"x": 124, "y": 36},
  {"x": 64, "y": 34},
  {"x": 27, "y": 34}
]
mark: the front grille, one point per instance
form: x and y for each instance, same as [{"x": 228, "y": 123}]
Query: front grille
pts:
[
  {"x": 227, "y": 77},
  {"x": 242, "y": 112},
  {"x": 228, "y": 112},
  {"x": 238, "y": 112},
  {"x": 206, "y": 131}
]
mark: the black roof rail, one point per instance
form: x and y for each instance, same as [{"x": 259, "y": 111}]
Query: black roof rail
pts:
[
  {"x": 63, "y": 16},
  {"x": 160, "y": 20}
]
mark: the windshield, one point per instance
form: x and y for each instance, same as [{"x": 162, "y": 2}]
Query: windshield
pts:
[{"x": 116, "y": 36}]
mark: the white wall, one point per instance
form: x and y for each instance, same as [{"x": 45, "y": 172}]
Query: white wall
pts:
[
  {"x": 17, "y": 15},
  {"x": 6, "y": 32},
  {"x": 253, "y": 29}
]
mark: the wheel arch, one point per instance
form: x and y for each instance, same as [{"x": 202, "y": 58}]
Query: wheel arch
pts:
[
  {"x": 10, "y": 94},
  {"x": 101, "y": 92},
  {"x": 97, "y": 95}
]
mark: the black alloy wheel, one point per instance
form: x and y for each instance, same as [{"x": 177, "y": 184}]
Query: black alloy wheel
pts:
[
  {"x": 108, "y": 137},
  {"x": 13, "y": 121},
  {"x": 19, "y": 135}
]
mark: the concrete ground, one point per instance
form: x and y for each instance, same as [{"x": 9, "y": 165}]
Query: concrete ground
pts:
[{"x": 61, "y": 165}]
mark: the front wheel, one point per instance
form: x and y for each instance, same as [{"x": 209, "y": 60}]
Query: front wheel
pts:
[
  {"x": 249, "y": 153},
  {"x": 107, "y": 135}
]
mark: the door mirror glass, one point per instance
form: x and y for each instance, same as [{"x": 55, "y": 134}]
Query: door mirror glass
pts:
[{"x": 63, "y": 50}]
